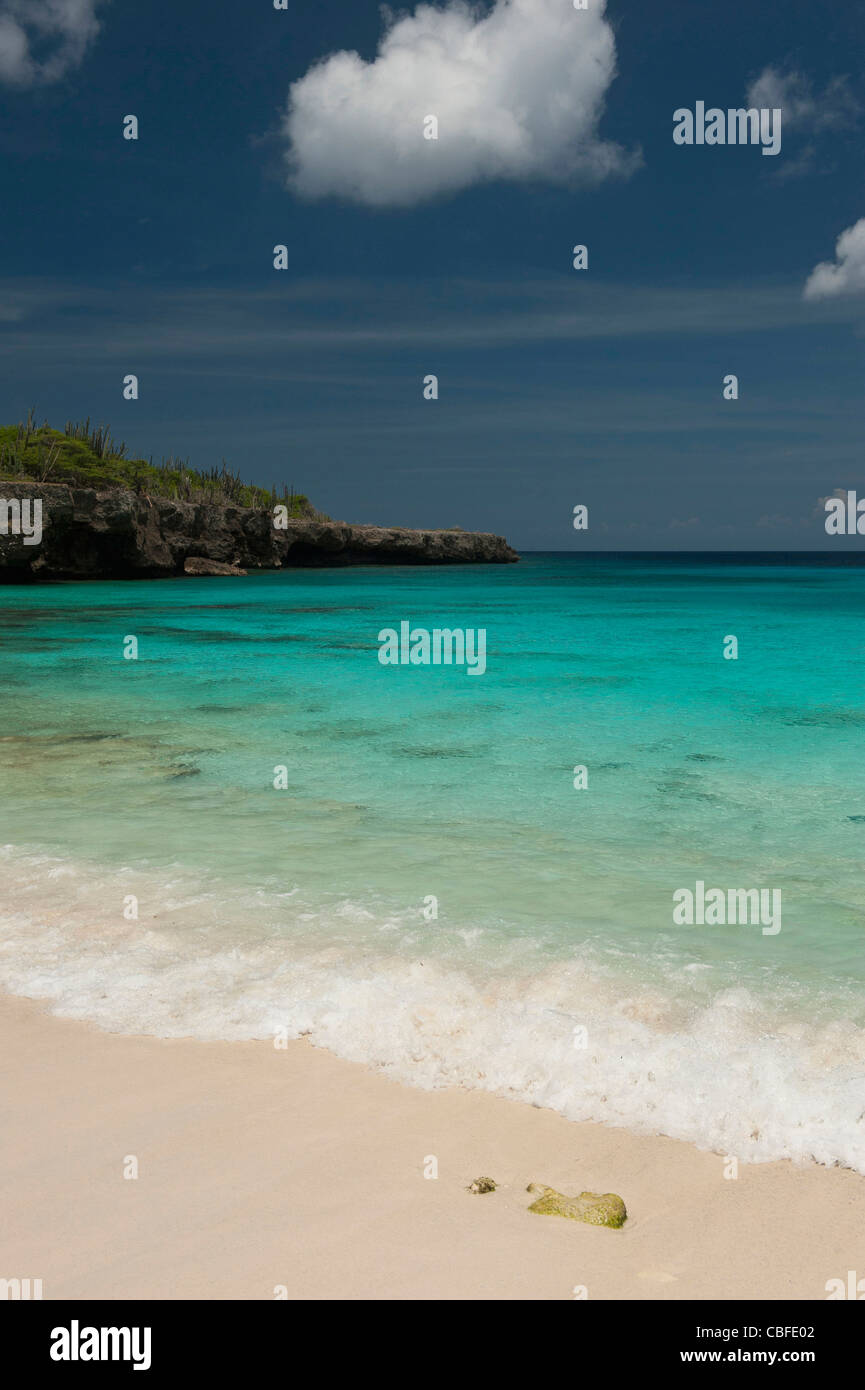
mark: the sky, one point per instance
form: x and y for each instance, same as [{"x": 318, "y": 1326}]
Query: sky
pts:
[{"x": 407, "y": 257}]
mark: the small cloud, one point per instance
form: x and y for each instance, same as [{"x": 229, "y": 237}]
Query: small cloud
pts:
[
  {"x": 59, "y": 30},
  {"x": 805, "y": 113},
  {"x": 821, "y": 501},
  {"x": 801, "y": 106},
  {"x": 803, "y": 163},
  {"x": 518, "y": 93},
  {"x": 846, "y": 274}
]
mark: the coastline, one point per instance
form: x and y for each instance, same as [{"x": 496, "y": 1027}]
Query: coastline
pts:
[
  {"x": 74, "y": 533},
  {"x": 261, "y": 1168}
]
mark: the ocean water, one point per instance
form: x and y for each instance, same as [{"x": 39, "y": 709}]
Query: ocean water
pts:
[{"x": 553, "y": 972}]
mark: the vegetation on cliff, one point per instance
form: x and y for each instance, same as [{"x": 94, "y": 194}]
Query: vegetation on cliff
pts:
[{"x": 81, "y": 456}]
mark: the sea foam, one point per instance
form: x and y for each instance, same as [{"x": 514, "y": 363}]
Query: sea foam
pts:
[{"x": 756, "y": 1073}]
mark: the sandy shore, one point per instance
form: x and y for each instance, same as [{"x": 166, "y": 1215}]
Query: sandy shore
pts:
[{"x": 260, "y": 1168}]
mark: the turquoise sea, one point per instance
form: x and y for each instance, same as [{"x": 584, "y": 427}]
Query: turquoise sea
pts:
[{"x": 553, "y": 971}]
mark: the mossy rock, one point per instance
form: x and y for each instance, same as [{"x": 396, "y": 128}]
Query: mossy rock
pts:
[
  {"x": 595, "y": 1208},
  {"x": 481, "y": 1185}
]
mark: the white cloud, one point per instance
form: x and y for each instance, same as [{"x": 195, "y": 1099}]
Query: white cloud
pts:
[
  {"x": 846, "y": 274},
  {"x": 801, "y": 106},
  {"x": 820, "y": 509},
  {"x": 518, "y": 91},
  {"x": 805, "y": 113},
  {"x": 41, "y": 40}
]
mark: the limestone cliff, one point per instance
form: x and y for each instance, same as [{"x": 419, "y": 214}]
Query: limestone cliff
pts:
[{"x": 118, "y": 534}]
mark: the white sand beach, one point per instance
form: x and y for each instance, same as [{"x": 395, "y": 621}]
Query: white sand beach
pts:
[{"x": 262, "y": 1170}]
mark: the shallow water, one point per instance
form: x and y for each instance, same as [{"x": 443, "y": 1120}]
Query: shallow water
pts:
[{"x": 303, "y": 908}]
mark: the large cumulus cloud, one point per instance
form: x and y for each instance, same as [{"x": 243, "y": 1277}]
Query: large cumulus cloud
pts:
[{"x": 518, "y": 91}]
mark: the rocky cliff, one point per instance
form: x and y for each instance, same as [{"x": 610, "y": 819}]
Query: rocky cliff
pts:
[{"x": 117, "y": 534}]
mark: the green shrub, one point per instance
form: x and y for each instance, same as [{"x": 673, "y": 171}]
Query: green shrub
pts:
[{"x": 82, "y": 456}]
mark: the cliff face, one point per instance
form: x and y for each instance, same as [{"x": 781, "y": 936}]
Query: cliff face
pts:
[{"x": 117, "y": 534}]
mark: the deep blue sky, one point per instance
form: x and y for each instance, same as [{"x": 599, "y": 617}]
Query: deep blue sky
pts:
[{"x": 155, "y": 257}]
